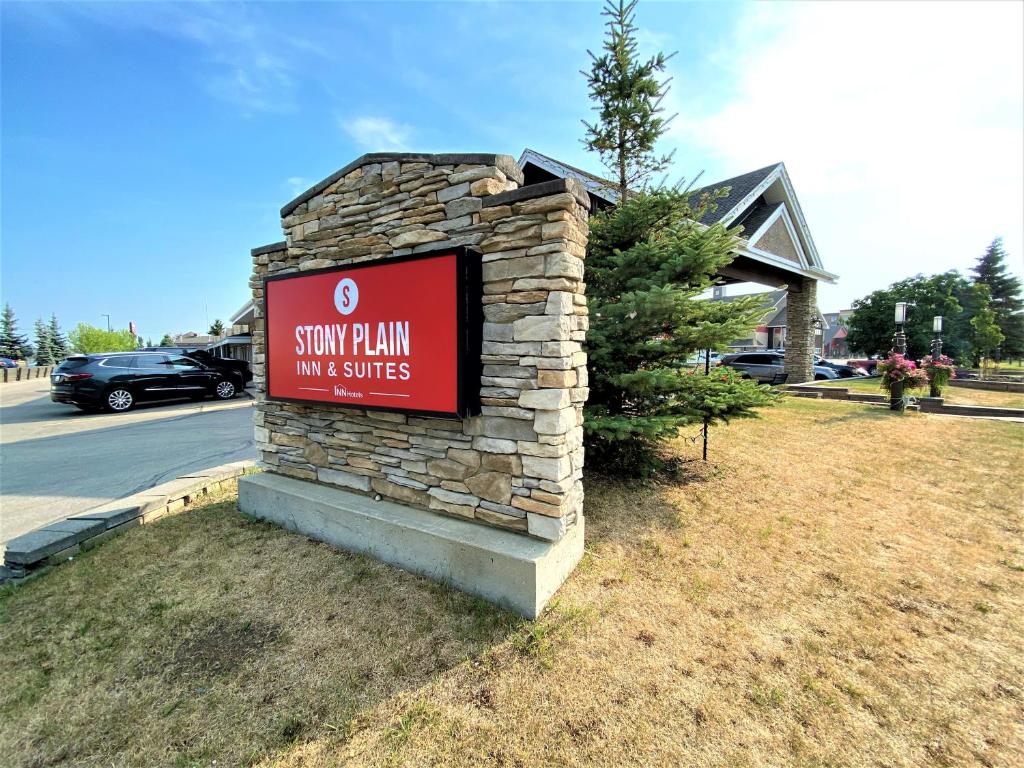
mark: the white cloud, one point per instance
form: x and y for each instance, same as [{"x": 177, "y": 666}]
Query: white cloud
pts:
[
  {"x": 297, "y": 185},
  {"x": 377, "y": 134},
  {"x": 900, "y": 124}
]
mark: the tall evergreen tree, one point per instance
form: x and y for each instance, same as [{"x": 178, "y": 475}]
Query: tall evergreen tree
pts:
[
  {"x": 1007, "y": 300},
  {"x": 627, "y": 96},
  {"x": 59, "y": 348},
  {"x": 648, "y": 261},
  {"x": 1004, "y": 288},
  {"x": 12, "y": 343},
  {"x": 217, "y": 328}
]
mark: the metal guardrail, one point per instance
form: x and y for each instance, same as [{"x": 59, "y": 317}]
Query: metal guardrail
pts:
[{"x": 26, "y": 373}]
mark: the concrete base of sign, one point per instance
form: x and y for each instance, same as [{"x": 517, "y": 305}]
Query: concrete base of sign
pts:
[{"x": 506, "y": 568}]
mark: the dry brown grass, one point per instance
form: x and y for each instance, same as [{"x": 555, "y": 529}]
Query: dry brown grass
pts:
[{"x": 859, "y": 602}]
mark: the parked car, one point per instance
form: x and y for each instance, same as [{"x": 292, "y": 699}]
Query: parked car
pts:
[
  {"x": 206, "y": 358},
  {"x": 117, "y": 381},
  {"x": 698, "y": 358},
  {"x": 767, "y": 367},
  {"x": 844, "y": 371},
  {"x": 6, "y": 362},
  {"x": 868, "y": 363}
]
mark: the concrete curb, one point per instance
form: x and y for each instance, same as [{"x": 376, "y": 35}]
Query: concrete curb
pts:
[
  {"x": 936, "y": 405},
  {"x": 834, "y": 393},
  {"x": 991, "y": 386},
  {"x": 56, "y": 542}
]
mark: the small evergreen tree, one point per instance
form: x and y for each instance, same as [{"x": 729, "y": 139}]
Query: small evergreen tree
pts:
[
  {"x": 43, "y": 354},
  {"x": 59, "y": 348},
  {"x": 12, "y": 343},
  {"x": 167, "y": 340},
  {"x": 1007, "y": 297},
  {"x": 648, "y": 263},
  {"x": 217, "y": 329},
  {"x": 627, "y": 96}
]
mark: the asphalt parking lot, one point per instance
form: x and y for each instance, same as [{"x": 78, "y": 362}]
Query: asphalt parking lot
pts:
[{"x": 57, "y": 461}]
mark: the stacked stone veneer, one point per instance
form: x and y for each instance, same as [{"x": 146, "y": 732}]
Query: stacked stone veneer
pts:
[
  {"x": 801, "y": 307},
  {"x": 519, "y": 464}
]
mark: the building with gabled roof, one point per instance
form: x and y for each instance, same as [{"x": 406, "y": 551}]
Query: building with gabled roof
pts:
[
  {"x": 835, "y": 342},
  {"x": 771, "y": 329},
  {"x": 775, "y": 249}
]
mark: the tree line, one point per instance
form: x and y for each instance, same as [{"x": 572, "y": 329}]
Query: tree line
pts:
[
  {"x": 50, "y": 345},
  {"x": 983, "y": 313}
]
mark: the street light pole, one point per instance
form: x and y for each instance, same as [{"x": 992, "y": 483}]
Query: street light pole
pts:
[
  {"x": 899, "y": 346},
  {"x": 936, "y": 352},
  {"x": 108, "y": 321}
]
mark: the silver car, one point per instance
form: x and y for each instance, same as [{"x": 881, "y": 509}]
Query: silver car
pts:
[{"x": 769, "y": 367}]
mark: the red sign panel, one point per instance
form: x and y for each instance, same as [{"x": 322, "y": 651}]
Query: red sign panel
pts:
[{"x": 396, "y": 334}]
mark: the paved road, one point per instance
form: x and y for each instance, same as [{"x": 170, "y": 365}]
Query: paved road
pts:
[{"x": 57, "y": 461}]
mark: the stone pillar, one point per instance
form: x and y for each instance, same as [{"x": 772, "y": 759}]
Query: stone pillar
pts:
[{"x": 801, "y": 304}]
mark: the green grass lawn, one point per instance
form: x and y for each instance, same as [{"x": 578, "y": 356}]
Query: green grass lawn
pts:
[
  {"x": 842, "y": 586},
  {"x": 951, "y": 394}
]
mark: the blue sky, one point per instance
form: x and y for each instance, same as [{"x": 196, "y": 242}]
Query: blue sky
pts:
[{"x": 147, "y": 147}]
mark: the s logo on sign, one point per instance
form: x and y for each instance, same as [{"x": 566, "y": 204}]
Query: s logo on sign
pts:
[{"x": 346, "y": 296}]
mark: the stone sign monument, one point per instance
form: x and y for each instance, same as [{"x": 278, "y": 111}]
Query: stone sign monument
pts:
[{"x": 418, "y": 359}]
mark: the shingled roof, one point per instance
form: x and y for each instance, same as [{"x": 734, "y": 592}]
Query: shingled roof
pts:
[
  {"x": 739, "y": 187},
  {"x": 751, "y": 200},
  {"x": 754, "y": 217}
]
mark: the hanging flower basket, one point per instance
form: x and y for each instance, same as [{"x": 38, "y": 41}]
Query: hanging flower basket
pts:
[
  {"x": 940, "y": 370},
  {"x": 897, "y": 368}
]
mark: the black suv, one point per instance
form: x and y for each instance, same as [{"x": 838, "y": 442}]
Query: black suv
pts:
[
  {"x": 206, "y": 358},
  {"x": 116, "y": 381}
]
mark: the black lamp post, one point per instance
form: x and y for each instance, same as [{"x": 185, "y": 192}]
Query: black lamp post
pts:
[
  {"x": 899, "y": 346},
  {"x": 936, "y": 352}
]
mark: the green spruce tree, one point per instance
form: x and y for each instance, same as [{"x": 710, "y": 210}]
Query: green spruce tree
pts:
[
  {"x": 217, "y": 328},
  {"x": 12, "y": 343},
  {"x": 627, "y": 95},
  {"x": 59, "y": 348},
  {"x": 43, "y": 354},
  {"x": 648, "y": 262},
  {"x": 1007, "y": 297}
]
